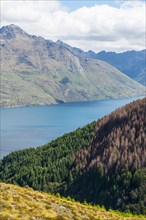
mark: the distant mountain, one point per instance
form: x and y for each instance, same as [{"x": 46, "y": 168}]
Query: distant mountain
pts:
[
  {"x": 35, "y": 71},
  {"x": 104, "y": 162},
  {"x": 132, "y": 63},
  {"x": 17, "y": 202}
]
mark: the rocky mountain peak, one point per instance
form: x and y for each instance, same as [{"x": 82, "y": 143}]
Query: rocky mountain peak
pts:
[{"x": 11, "y": 31}]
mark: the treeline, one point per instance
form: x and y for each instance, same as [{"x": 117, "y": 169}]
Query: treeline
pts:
[{"x": 104, "y": 162}]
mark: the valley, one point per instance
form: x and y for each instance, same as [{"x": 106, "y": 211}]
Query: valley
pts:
[{"x": 103, "y": 162}]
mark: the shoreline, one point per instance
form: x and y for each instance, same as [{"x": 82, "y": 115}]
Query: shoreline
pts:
[{"x": 67, "y": 102}]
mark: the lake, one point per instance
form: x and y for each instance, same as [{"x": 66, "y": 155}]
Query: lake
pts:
[{"x": 34, "y": 126}]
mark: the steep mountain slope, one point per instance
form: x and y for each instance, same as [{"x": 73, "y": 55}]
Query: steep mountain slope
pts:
[
  {"x": 25, "y": 203},
  {"x": 104, "y": 162},
  {"x": 37, "y": 71}
]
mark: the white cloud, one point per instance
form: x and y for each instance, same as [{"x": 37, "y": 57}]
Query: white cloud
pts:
[{"x": 100, "y": 27}]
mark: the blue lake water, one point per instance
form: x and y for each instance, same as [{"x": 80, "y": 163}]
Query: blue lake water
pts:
[{"x": 34, "y": 126}]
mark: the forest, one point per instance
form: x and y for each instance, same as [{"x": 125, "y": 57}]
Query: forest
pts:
[{"x": 103, "y": 163}]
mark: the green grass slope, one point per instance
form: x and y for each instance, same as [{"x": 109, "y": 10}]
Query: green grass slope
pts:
[{"x": 25, "y": 203}]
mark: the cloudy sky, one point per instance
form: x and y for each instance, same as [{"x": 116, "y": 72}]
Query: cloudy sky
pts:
[{"x": 87, "y": 24}]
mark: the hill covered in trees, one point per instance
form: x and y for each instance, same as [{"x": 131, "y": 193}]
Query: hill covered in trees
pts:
[
  {"x": 113, "y": 167},
  {"x": 104, "y": 162},
  {"x": 25, "y": 203}
]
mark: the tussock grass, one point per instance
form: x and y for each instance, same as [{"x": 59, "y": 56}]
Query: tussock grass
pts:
[{"x": 21, "y": 203}]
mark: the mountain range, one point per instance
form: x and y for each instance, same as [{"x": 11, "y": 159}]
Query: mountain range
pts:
[
  {"x": 36, "y": 71},
  {"x": 103, "y": 162}
]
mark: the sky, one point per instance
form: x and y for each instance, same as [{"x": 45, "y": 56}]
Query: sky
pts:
[{"x": 110, "y": 25}]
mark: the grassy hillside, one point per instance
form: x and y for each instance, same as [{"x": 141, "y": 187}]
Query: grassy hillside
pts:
[
  {"x": 35, "y": 71},
  {"x": 25, "y": 203},
  {"x": 104, "y": 162}
]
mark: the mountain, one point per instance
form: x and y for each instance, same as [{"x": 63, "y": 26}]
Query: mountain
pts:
[
  {"x": 35, "y": 71},
  {"x": 25, "y": 203},
  {"x": 132, "y": 63},
  {"x": 103, "y": 162}
]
